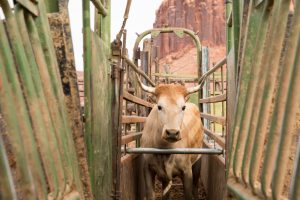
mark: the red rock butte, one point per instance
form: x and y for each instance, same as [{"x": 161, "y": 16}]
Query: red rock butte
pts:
[{"x": 204, "y": 17}]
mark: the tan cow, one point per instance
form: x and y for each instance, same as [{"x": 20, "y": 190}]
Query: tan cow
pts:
[{"x": 172, "y": 123}]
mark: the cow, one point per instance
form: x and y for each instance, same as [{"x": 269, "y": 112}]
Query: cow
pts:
[{"x": 172, "y": 123}]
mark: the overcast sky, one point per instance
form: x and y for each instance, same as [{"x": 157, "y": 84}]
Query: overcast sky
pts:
[{"x": 141, "y": 18}]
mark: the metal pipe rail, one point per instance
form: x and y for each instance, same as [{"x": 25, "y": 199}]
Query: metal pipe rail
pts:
[
  {"x": 100, "y": 7},
  {"x": 171, "y": 151}
]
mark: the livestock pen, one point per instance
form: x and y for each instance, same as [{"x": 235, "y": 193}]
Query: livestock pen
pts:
[{"x": 52, "y": 149}]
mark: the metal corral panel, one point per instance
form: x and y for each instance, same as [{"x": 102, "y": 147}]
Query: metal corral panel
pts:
[
  {"x": 265, "y": 127},
  {"x": 38, "y": 159},
  {"x": 98, "y": 100}
]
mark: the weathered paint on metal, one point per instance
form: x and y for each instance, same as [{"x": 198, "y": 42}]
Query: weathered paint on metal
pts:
[
  {"x": 265, "y": 116},
  {"x": 249, "y": 47},
  {"x": 34, "y": 110},
  {"x": 98, "y": 98},
  {"x": 30, "y": 6},
  {"x": 51, "y": 5},
  {"x": 19, "y": 124},
  {"x": 7, "y": 188}
]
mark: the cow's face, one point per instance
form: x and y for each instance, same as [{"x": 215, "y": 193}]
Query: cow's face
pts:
[{"x": 170, "y": 110}]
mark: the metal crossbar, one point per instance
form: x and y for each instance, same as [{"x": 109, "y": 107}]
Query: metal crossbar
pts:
[{"x": 171, "y": 151}]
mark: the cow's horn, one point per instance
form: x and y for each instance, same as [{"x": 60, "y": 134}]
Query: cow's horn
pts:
[
  {"x": 194, "y": 89},
  {"x": 148, "y": 88},
  {"x": 145, "y": 87}
]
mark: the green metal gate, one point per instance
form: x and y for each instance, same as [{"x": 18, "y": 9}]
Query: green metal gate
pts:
[
  {"x": 263, "y": 89},
  {"x": 98, "y": 97}
]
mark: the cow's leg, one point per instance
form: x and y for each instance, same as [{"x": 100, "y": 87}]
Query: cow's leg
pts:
[
  {"x": 188, "y": 183},
  {"x": 149, "y": 182},
  {"x": 196, "y": 176}
]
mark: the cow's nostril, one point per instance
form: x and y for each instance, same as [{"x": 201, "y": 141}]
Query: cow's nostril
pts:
[
  {"x": 168, "y": 132},
  {"x": 172, "y": 133}
]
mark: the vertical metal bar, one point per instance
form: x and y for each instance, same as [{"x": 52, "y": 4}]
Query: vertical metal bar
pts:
[
  {"x": 118, "y": 76},
  {"x": 223, "y": 103},
  {"x": 9, "y": 112},
  {"x": 236, "y": 29},
  {"x": 256, "y": 74},
  {"x": 52, "y": 6},
  {"x": 229, "y": 25},
  {"x": 205, "y": 66},
  {"x": 295, "y": 187},
  {"x": 288, "y": 131},
  {"x": 50, "y": 116},
  {"x": 7, "y": 189},
  {"x": 271, "y": 63},
  {"x": 214, "y": 104},
  {"x": 281, "y": 100},
  {"x": 87, "y": 86},
  {"x": 38, "y": 123},
  {"x": 23, "y": 118},
  {"x": 157, "y": 63},
  {"x": 238, "y": 136},
  {"x": 51, "y": 125},
  {"x": 45, "y": 38}
]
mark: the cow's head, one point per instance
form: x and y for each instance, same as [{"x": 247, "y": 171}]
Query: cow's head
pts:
[{"x": 171, "y": 100}]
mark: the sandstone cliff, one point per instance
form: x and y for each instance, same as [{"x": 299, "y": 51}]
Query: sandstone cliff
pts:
[{"x": 205, "y": 17}]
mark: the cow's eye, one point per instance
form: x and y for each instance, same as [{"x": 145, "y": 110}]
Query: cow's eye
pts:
[
  {"x": 159, "y": 107},
  {"x": 183, "y": 108}
]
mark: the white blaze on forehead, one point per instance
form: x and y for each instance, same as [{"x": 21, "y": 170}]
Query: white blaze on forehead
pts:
[
  {"x": 180, "y": 102},
  {"x": 164, "y": 102}
]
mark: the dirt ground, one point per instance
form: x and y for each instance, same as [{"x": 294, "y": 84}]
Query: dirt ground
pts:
[{"x": 176, "y": 191}]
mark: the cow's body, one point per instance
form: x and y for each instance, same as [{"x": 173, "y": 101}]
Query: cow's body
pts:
[{"x": 165, "y": 167}]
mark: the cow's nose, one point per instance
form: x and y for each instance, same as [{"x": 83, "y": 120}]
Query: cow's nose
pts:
[{"x": 172, "y": 133}]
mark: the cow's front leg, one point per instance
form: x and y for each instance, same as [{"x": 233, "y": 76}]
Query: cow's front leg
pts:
[
  {"x": 188, "y": 184},
  {"x": 196, "y": 169},
  {"x": 149, "y": 182}
]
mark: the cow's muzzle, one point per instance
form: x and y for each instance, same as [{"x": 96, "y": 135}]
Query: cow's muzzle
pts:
[{"x": 172, "y": 135}]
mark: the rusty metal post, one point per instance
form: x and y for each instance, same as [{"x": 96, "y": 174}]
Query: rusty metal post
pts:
[
  {"x": 223, "y": 103},
  {"x": 156, "y": 60},
  {"x": 117, "y": 82},
  {"x": 214, "y": 105}
]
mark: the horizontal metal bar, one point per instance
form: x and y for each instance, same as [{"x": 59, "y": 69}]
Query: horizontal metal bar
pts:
[
  {"x": 185, "y": 76},
  {"x": 136, "y": 100},
  {"x": 185, "y": 80},
  {"x": 218, "y": 119},
  {"x": 133, "y": 119},
  {"x": 172, "y": 151},
  {"x": 131, "y": 137},
  {"x": 217, "y": 138},
  {"x": 238, "y": 190},
  {"x": 214, "y": 99}
]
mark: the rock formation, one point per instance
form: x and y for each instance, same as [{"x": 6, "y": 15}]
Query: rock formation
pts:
[{"x": 204, "y": 17}]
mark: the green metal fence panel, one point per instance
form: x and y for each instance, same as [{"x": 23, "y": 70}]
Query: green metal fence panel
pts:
[
  {"x": 263, "y": 136},
  {"x": 17, "y": 124},
  {"x": 98, "y": 100},
  {"x": 32, "y": 105}
]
